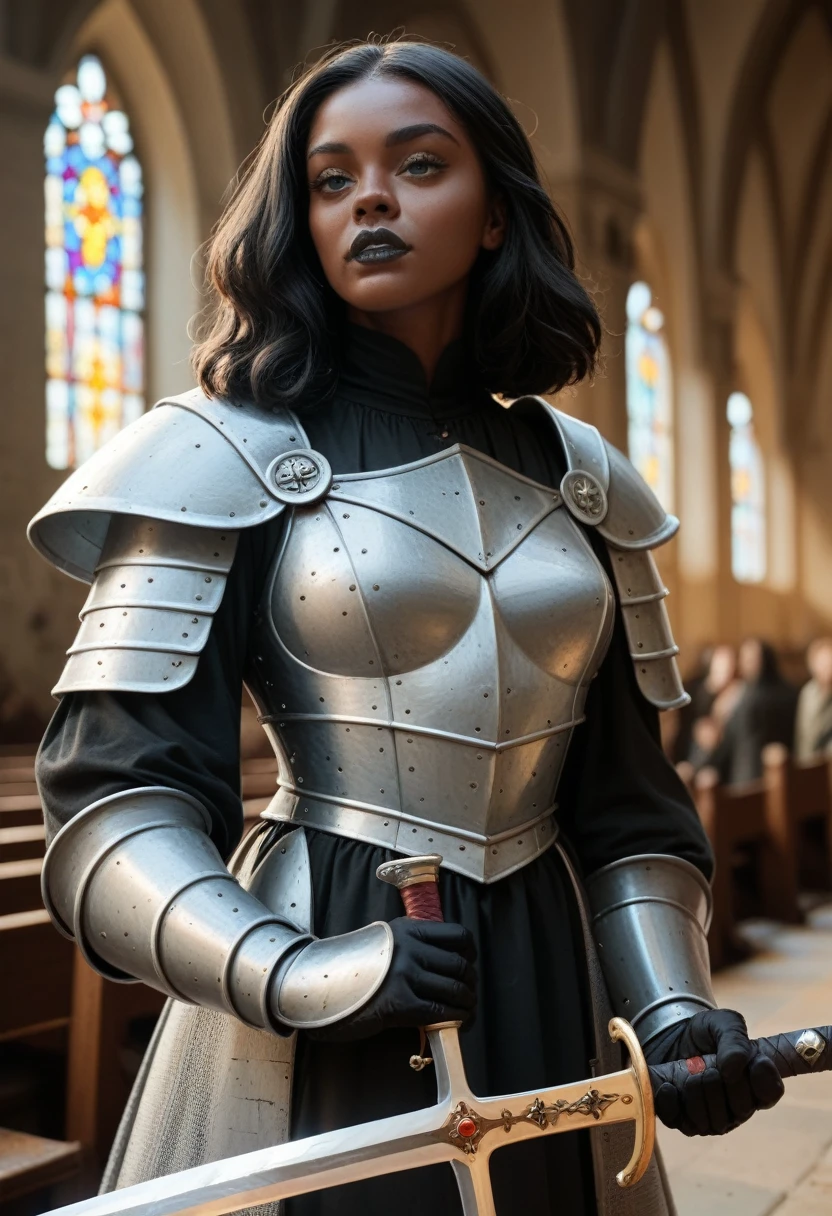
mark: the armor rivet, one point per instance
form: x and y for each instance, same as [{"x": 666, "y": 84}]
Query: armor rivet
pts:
[
  {"x": 352, "y": 586},
  {"x": 150, "y": 580},
  {"x": 482, "y": 502},
  {"x": 345, "y": 516},
  {"x": 263, "y": 502},
  {"x": 411, "y": 769},
  {"x": 375, "y": 587},
  {"x": 198, "y": 597},
  {"x": 516, "y": 497},
  {"x": 303, "y": 597}
]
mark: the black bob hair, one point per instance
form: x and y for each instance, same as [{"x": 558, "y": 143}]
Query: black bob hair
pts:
[{"x": 273, "y": 334}]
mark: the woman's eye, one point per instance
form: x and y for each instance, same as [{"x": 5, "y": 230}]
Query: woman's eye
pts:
[
  {"x": 422, "y": 165},
  {"x": 331, "y": 183}
]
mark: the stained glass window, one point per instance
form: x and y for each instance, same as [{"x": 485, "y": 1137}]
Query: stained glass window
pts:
[
  {"x": 94, "y": 269},
  {"x": 748, "y": 514},
  {"x": 649, "y": 393}
]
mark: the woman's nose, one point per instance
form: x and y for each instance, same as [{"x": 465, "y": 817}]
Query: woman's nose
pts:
[{"x": 375, "y": 200}]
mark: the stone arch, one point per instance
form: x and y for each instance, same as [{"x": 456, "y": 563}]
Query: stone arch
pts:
[
  {"x": 777, "y": 23},
  {"x": 667, "y": 253}
]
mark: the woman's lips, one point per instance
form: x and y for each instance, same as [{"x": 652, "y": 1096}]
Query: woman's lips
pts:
[
  {"x": 377, "y": 245},
  {"x": 379, "y": 253}
]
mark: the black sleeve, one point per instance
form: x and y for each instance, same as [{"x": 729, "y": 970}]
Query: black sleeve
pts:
[
  {"x": 100, "y": 743},
  {"x": 619, "y": 794}
]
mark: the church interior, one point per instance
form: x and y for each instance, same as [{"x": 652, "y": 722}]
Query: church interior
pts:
[{"x": 689, "y": 145}]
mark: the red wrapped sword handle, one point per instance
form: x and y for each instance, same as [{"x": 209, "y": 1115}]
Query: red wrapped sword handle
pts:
[{"x": 417, "y": 879}]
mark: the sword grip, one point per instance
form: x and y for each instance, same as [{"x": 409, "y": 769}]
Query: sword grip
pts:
[
  {"x": 417, "y": 879},
  {"x": 794, "y": 1053}
]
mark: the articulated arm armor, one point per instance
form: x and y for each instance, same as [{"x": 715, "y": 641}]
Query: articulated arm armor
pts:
[
  {"x": 137, "y": 882},
  {"x": 650, "y": 915}
]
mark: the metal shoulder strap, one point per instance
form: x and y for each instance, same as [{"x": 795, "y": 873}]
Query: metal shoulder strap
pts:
[
  {"x": 603, "y": 490},
  {"x": 153, "y": 519}
]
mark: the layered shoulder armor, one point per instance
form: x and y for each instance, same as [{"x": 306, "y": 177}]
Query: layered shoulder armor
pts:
[
  {"x": 603, "y": 490},
  {"x": 152, "y": 521}
]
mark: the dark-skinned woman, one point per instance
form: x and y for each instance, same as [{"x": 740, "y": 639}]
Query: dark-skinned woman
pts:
[{"x": 434, "y": 600}]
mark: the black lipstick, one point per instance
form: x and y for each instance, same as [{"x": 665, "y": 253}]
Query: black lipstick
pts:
[{"x": 377, "y": 245}]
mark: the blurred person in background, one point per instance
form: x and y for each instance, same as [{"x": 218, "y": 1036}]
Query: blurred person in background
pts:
[
  {"x": 713, "y": 695},
  {"x": 813, "y": 729},
  {"x": 764, "y": 712}
]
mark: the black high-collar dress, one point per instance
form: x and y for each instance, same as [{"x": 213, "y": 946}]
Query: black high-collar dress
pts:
[{"x": 618, "y": 796}]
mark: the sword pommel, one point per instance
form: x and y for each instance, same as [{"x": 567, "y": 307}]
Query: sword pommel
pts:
[{"x": 416, "y": 878}]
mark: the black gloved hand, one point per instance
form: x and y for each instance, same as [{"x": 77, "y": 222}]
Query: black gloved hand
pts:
[
  {"x": 719, "y": 1099},
  {"x": 431, "y": 979}
]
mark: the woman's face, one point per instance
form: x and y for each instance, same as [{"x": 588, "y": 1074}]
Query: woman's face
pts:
[{"x": 398, "y": 205}]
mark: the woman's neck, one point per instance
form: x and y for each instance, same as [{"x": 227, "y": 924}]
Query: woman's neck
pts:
[{"x": 426, "y": 328}]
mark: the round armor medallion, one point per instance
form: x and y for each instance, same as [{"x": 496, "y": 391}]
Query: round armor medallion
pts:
[
  {"x": 584, "y": 496},
  {"x": 300, "y": 476}
]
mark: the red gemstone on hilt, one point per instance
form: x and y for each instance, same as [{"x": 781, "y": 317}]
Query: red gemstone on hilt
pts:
[{"x": 466, "y": 1128}]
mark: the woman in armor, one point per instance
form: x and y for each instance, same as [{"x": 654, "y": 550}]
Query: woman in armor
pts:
[{"x": 448, "y": 615}]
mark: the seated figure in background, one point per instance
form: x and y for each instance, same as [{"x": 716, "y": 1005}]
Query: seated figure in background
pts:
[
  {"x": 813, "y": 728},
  {"x": 763, "y": 713}
]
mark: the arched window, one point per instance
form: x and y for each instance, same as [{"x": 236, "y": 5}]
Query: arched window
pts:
[
  {"x": 748, "y": 502},
  {"x": 649, "y": 394},
  {"x": 94, "y": 269}
]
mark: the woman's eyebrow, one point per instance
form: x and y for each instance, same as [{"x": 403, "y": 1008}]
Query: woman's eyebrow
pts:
[
  {"x": 403, "y": 134},
  {"x": 330, "y": 148},
  {"x": 400, "y": 136}
]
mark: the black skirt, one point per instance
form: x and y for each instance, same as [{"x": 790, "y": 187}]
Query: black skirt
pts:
[{"x": 530, "y": 1030}]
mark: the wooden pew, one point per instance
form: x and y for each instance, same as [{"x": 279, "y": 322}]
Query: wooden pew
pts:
[
  {"x": 799, "y": 800},
  {"x": 20, "y": 885},
  {"x": 18, "y": 810},
  {"x": 750, "y": 823},
  {"x": 22, "y": 842},
  {"x": 40, "y": 960}
]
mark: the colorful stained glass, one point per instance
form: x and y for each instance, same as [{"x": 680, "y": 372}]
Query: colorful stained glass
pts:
[
  {"x": 748, "y": 500},
  {"x": 649, "y": 394},
  {"x": 94, "y": 269}
]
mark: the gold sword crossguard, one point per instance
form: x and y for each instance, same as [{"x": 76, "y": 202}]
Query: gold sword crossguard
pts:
[
  {"x": 461, "y": 1128},
  {"x": 480, "y": 1126}
]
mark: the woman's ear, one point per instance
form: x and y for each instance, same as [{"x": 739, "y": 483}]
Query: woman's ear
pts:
[{"x": 494, "y": 232}]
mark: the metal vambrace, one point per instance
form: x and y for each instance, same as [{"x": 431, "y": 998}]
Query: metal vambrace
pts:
[
  {"x": 137, "y": 882},
  {"x": 650, "y": 917}
]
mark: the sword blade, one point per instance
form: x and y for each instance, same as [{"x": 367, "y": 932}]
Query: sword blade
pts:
[{"x": 299, "y": 1167}]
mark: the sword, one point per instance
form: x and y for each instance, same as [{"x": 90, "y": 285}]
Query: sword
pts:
[{"x": 461, "y": 1128}]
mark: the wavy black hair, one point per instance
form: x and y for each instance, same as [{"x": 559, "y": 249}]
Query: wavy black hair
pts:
[{"x": 273, "y": 336}]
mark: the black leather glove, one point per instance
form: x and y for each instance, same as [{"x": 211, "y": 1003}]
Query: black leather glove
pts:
[
  {"x": 431, "y": 979},
  {"x": 719, "y": 1099}
]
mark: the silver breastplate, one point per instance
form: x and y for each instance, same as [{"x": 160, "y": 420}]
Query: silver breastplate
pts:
[{"x": 423, "y": 655}]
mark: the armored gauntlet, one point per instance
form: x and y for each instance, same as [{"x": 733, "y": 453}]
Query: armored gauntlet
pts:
[
  {"x": 137, "y": 882},
  {"x": 650, "y": 915}
]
